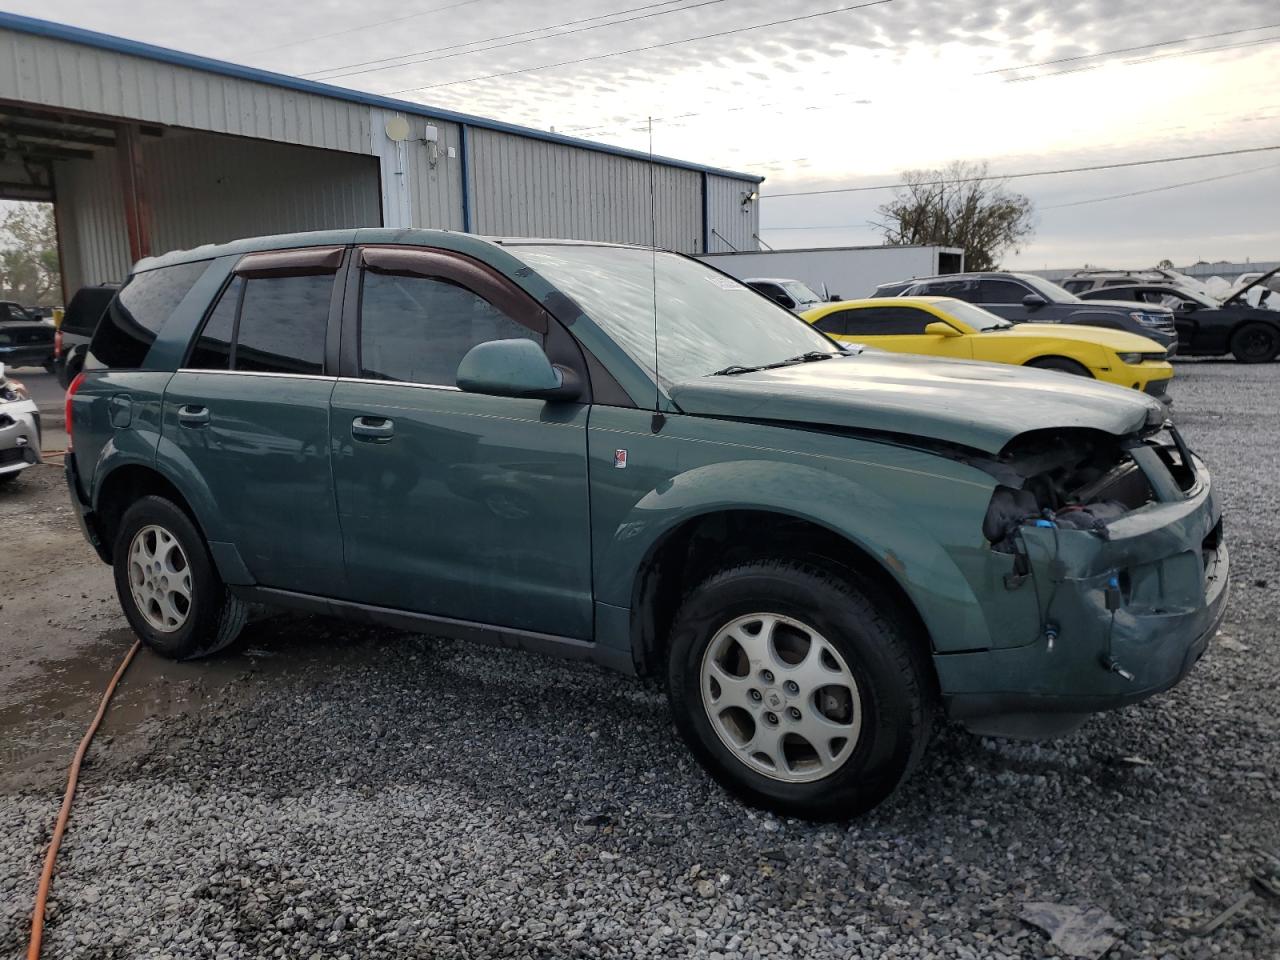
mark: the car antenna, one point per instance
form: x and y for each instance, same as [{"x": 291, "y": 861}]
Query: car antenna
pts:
[{"x": 658, "y": 418}]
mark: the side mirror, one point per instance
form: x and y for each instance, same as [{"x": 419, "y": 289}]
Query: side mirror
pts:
[
  {"x": 515, "y": 368},
  {"x": 834, "y": 298},
  {"x": 1034, "y": 300},
  {"x": 940, "y": 329}
]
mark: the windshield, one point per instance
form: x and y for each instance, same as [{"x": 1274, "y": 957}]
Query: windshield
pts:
[
  {"x": 800, "y": 292},
  {"x": 1050, "y": 290},
  {"x": 706, "y": 320},
  {"x": 975, "y": 317}
]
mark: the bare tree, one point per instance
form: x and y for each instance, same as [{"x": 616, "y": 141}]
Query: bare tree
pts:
[
  {"x": 958, "y": 206},
  {"x": 29, "y": 256}
]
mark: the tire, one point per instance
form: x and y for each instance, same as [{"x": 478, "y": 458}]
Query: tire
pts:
[
  {"x": 211, "y": 618},
  {"x": 1255, "y": 343},
  {"x": 1061, "y": 364},
  {"x": 878, "y": 726},
  {"x": 50, "y": 366}
]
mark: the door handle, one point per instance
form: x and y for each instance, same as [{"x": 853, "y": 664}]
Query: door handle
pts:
[
  {"x": 192, "y": 415},
  {"x": 373, "y": 429}
]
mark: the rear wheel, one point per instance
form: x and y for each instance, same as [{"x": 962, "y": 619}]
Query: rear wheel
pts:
[
  {"x": 1255, "y": 343},
  {"x": 168, "y": 586},
  {"x": 796, "y": 691},
  {"x": 1062, "y": 364}
]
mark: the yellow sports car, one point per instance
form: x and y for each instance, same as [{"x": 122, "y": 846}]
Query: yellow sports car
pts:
[{"x": 946, "y": 327}]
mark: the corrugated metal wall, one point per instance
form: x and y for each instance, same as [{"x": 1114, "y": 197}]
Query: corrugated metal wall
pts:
[
  {"x": 204, "y": 188},
  {"x": 70, "y": 76},
  {"x": 530, "y": 188},
  {"x": 91, "y": 225},
  {"x": 730, "y": 225}
]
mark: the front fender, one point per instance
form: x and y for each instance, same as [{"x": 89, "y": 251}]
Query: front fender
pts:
[{"x": 881, "y": 528}]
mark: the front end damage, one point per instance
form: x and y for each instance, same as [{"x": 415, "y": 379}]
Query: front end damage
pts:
[{"x": 1119, "y": 540}]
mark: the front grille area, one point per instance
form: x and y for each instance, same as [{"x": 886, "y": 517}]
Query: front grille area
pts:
[{"x": 9, "y": 457}]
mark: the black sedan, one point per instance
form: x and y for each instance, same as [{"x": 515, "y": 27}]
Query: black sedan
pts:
[
  {"x": 25, "y": 341},
  {"x": 1207, "y": 328}
]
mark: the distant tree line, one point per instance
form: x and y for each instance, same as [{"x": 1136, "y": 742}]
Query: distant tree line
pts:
[
  {"x": 29, "y": 271},
  {"x": 958, "y": 206}
]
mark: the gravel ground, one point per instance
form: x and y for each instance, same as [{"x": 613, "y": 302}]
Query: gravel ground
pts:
[{"x": 355, "y": 793}]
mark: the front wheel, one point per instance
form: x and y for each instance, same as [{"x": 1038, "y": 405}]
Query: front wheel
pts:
[
  {"x": 1255, "y": 343},
  {"x": 168, "y": 586},
  {"x": 796, "y": 691}
]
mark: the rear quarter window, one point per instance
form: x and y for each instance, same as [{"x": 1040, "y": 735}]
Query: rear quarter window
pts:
[{"x": 136, "y": 314}]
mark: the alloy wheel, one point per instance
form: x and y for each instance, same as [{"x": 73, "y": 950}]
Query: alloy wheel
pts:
[
  {"x": 160, "y": 578},
  {"x": 780, "y": 697}
]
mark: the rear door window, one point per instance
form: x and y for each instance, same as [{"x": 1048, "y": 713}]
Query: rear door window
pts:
[
  {"x": 282, "y": 324},
  {"x": 266, "y": 325},
  {"x": 135, "y": 315}
]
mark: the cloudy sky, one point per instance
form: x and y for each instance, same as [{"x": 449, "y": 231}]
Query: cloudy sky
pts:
[{"x": 835, "y": 97}]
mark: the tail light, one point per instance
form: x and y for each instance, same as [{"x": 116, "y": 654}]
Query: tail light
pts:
[
  {"x": 66, "y": 409},
  {"x": 57, "y": 344}
]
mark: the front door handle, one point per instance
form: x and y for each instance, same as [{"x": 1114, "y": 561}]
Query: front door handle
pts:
[
  {"x": 193, "y": 415},
  {"x": 373, "y": 429}
]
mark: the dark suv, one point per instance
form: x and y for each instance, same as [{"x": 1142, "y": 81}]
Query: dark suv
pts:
[
  {"x": 622, "y": 455},
  {"x": 71, "y": 343},
  {"x": 1024, "y": 298}
]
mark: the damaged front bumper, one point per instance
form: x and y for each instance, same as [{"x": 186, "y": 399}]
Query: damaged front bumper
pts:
[
  {"x": 1123, "y": 617},
  {"x": 19, "y": 436}
]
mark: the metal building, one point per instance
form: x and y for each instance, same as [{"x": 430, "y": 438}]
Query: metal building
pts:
[{"x": 144, "y": 149}]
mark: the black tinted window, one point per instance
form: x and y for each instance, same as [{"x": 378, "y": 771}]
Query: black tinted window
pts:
[
  {"x": 888, "y": 321},
  {"x": 960, "y": 289},
  {"x": 84, "y": 310},
  {"x": 1001, "y": 291},
  {"x": 417, "y": 329},
  {"x": 1075, "y": 286},
  {"x": 833, "y": 323},
  {"x": 212, "y": 350},
  {"x": 282, "y": 324},
  {"x": 135, "y": 315}
]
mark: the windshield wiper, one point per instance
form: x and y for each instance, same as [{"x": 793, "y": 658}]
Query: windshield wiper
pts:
[
  {"x": 736, "y": 368},
  {"x": 809, "y": 357}
]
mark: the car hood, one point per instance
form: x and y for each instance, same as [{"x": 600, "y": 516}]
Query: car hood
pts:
[
  {"x": 1129, "y": 306},
  {"x": 979, "y": 405},
  {"x": 1120, "y": 341}
]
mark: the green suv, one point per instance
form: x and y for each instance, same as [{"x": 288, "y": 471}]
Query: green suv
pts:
[{"x": 627, "y": 457}]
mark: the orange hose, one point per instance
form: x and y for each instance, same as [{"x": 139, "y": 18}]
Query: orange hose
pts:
[{"x": 46, "y": 875}]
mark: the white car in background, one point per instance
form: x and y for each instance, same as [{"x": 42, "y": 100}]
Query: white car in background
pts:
[{"x": 19, "y": 429}]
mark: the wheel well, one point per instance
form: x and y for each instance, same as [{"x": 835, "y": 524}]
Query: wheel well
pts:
[
  {"x": 125, "y": 486},
  {"x": 1048, "y": 361},
  {"x": 696, "y": 549}
]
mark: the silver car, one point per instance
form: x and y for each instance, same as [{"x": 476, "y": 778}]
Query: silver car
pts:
[{"x": 19, "y": 429}]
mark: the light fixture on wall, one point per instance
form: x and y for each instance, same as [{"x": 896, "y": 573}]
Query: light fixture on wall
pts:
[
  {"x": 431, "y": 137},
  {"x": 747, "y": 198}
]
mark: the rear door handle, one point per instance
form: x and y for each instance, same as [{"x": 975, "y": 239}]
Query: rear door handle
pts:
[
  {"x": 373, "y": 429},
  {"x": 192, "y": 415}
]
